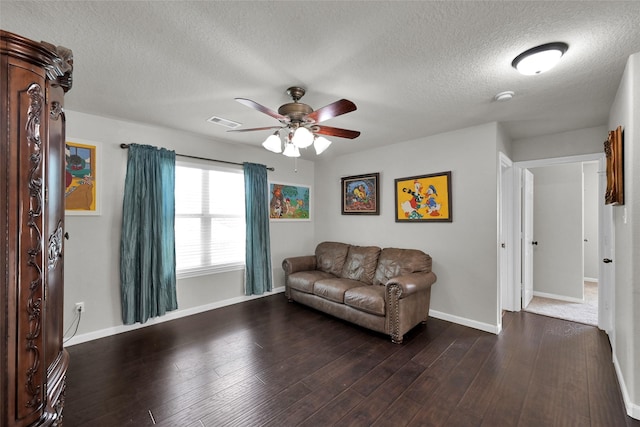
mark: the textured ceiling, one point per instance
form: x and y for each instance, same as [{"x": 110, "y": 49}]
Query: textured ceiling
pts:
[{"x": 413, "y": 68}]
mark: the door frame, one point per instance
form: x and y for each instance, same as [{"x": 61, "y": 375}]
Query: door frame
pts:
[
  {"x": 505, "y": 235},
  {"x": 605, "y": 290}
]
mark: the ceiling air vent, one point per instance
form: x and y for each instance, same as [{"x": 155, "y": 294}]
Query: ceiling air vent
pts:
[{"x": 224, "y": 122}]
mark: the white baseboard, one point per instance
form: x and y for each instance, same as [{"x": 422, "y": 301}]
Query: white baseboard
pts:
[
  {"x": 172, "y": 315},
  {"x": 633, "y": 410},
  {"x": 494, "y": 329},
  {"x": 558, "y": 297},
  {"x": 590, "y": 279}
]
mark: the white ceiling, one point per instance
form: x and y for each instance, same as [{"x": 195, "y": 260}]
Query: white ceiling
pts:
[{"x": 413, "y": 68}]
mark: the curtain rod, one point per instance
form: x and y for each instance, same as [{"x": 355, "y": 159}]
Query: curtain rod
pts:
[{"x": 125, "y": 146}]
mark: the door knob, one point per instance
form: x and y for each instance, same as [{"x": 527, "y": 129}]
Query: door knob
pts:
[
  {"x": 534, "y": 243},
  {"x": 607, "y": 260}
]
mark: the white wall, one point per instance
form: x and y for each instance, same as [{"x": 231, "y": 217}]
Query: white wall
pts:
[
  {"x": 557, "y": 227},
  {"x": 590, "y": 199},
  {"x": 92, "y": 253},
  {"x": 464, "y": 251},
  {"x": 572, "y": 143},
  {"x": 625, "y": 112}
]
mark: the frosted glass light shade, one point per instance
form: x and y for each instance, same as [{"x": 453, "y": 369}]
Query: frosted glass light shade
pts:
[
  {"x": 302, "y": 137},
  {"x": 539, "y": 59},
  {"x": 273, "y": 143},
  {"x": 320, "y": 144},
  {"x": 291, "y": 150}
]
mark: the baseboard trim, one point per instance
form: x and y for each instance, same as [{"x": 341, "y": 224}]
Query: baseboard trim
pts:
[
  {"x": 486, "y": 327},
  {"x": 591, "y": 279},
  {"x": 558, "y": 297},
  {"x": 633, "y": 410},
  {"x": 102, "y": 333}
]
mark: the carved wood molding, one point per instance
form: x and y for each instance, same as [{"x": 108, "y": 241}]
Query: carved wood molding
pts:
[
  {"x": 613, "y": 149},
  {"x": 55, "y": 247},
  {"x": 34, "y": 248}
]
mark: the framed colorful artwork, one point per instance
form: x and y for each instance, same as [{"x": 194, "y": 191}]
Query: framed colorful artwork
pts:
[
  {"x": 424, "y": 198},
  {"x": 360, "y": 194},
  {"x": 81, "y": 196},
  {"x": 289, "y": 202},
  {"x": 613, "y": 148}
]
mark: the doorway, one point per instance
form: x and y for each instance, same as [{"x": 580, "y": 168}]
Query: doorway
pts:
[{"x": 515, "y": 303}]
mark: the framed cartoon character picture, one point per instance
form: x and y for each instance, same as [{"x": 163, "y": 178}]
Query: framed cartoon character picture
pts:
[
  {"x": 289, "y": 202},
  {"x": 81, "y": 178},
  {"x": 424, "y": 198},
  {"x": 360, "y": 194}
]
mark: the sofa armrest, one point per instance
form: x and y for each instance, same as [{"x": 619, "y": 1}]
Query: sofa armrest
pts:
[
  {"x": 299, "y": 263},
  {"x": 411, "y": 283}
]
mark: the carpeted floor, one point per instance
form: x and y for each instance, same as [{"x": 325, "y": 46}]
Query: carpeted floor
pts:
[{"x": 586, "y": 312}]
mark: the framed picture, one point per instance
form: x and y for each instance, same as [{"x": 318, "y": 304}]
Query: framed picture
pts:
[
  {"x": 289, "y": 202},
  {"x": 424, "y": 198},
  {"x": 613, "y": 148},
  {"x": 81, "y": 196},
  {"x": 360, "y": 194}
]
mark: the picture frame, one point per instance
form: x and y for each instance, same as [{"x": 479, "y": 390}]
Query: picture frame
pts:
[
  {"x": 613, "y": 149},
  {"x": 82, "y": 179},
  {"x": 289, "y": 202},
  {"x": 361, "y": 194},
  {"x": 424, "y": 198}
]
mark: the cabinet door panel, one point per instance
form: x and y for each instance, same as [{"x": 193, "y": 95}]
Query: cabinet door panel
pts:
[{"x": 26, "y": 200}]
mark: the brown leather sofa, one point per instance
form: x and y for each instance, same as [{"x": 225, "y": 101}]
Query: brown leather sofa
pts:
[{"x": 386, "y": 290}]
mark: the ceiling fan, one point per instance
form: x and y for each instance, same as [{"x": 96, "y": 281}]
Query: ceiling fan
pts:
[{"x": 300, "y": 124}]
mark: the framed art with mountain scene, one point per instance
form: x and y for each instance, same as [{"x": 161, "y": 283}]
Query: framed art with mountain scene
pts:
[{"x": 424, "y": 198}]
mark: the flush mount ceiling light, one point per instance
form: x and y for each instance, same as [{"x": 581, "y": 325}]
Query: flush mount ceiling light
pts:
[
  {"x": 300, "y": 125},
  {"x": 539, "y": 59}
]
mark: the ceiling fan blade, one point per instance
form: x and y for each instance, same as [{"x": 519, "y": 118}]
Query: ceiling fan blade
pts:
[
  {"x": 340, "y": 133},
  {"x": 252, "y": 129},
  {"x": 252, "y": 104},
  {"x": 335, "y": 109}
]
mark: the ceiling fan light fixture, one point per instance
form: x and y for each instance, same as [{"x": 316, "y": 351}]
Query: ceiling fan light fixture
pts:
[
  {"x": 291, "y": 150},
  {"x": 273, "y": 143},
  {"x": 539, "y": 59},
  {"x": 320, "y": 144},
  {"x": 302, "y": 137}
]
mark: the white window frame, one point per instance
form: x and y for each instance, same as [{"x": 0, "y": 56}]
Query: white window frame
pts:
[{"x": 212, "y": 268}]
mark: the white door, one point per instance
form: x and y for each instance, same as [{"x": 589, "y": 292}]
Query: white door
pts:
[{"x": 527, "y": 238}]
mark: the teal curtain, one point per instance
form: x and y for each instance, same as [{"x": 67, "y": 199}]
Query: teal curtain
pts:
[
  {"x": 147, "y": 245},
  {"x": 258, "y": 248}
]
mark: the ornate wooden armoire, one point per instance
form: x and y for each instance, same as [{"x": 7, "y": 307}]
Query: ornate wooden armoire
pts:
[{"x": 33, "y": 362}]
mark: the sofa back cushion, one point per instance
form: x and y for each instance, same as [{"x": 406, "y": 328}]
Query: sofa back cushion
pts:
[
  {"x": 397, "y": 262},
  {"x": 361, "y": 263},
  {"x": 330, "y": 257}
]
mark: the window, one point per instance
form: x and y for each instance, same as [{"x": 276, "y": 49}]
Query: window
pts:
[{"x": 210, "y": 223}]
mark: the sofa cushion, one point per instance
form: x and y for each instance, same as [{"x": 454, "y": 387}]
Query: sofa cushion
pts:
[
  {"x": 330, "y": 257},
  {"x": 366, "y": 298},
  {"x": 361, "y": 263},
  {"x": 334, "y": 289},
  {"x": 397, "y": 262},
  {"x": 303, "y": 280}
]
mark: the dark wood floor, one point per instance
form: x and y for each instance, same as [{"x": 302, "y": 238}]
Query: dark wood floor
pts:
[{"x": 272, "y": 363}]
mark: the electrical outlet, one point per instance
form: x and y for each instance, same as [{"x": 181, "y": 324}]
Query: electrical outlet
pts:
[{"x": 80, "y": 307}]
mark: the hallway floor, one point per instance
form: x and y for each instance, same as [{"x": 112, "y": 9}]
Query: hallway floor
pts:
[{"x": 586, "y": 312}]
